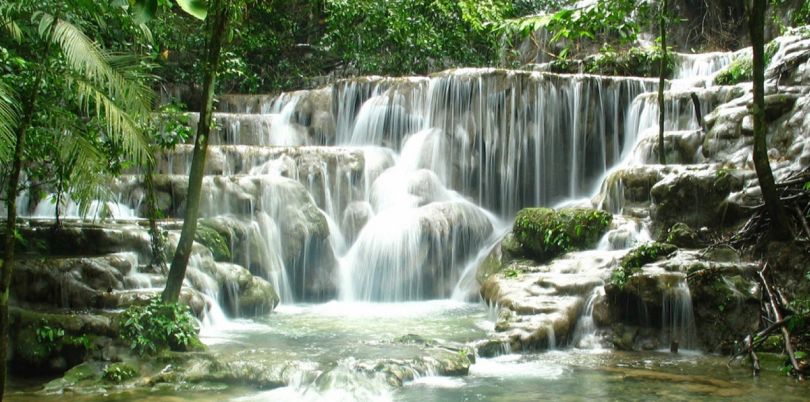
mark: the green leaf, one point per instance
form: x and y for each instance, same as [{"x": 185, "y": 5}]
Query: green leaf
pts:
[
  {"x": 144, "y": 10},
  {"x": 197, "y": 8}
]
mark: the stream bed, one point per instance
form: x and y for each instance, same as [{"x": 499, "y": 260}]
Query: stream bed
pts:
[{"x": 329, "y": 341}]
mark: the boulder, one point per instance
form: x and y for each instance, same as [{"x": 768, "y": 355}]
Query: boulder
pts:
[
  {"x": 695, "y": 197},
  {"x": 51, "y": 342},
  {"x": 544, "y": 233},
  {"x": 629, "y": 187},
  {"x": 69, "y": 282},
  {"x": 681, "y": 235}
]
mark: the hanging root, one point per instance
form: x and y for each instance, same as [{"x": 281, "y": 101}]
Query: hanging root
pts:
[{"x": 795, "y": 198}]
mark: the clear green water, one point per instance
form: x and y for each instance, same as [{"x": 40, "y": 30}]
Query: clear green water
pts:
[{"x": 332, "y": 337}]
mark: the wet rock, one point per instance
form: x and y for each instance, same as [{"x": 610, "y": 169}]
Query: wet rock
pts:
[
  {"x": 695, "y": 197},
  {"x": 84, "y": 239},
  {"x": 790, "y": 264},
  {"x": 725, "y": 297},
  {"x": 355, "y": 218},
  {"x": 680, "y": 147},
  {"x": 539, "y": 304},
  {"x": 125, "y": 298},
  {"x": 241, "y": 293},
  {"x": 69, "y": 282},
  {"x": 492, "y": 347},
  {"x": 722, "y": 296},
  {"x": 629, "y": 188},
  {"x": 436, "y": 360},
  {"x": 52, "y": 342}
]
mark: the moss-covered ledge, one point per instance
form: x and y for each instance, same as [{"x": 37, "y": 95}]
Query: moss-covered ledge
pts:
[{"x": 544, "y": 233}]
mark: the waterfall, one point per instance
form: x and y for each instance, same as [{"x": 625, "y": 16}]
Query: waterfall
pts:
[
  {"x": 388, "y": 189},
  {"x": 585, "y": 331},
  {"x": 678, "y": 320}
]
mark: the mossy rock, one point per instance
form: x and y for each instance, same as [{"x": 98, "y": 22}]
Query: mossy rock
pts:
[
  {"x": 209, "y": 237},
  {"x": 681, "y": 235},
  {"x": 545, "y": 233},
  {"x": 642, "y": 255}
]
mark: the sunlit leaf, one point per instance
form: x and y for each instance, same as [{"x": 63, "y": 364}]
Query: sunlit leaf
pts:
[{"x": 197, "y": 8}]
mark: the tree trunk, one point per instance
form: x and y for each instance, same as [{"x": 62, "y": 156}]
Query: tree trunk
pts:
[
  {"x": 779, "y": 225},
  {"x": 158, "y": 259},
  {"x": 662, "y": 69},
  {"x": 217, "y": 22},
  {"x": 9, "y": 238}
]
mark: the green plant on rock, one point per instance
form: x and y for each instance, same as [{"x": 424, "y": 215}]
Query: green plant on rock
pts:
[
  {"x": 741, "y": 68},
  {"x": 632, "y": 262},
  {"x": 48, "y": 336},
  {"x": 119, "y": 372},
  {"x": 512, "y": 273},
  {"x": 636, "y": 62},
  {"x": 544, "y": 233},
  {"x": 159, "y": 326}
]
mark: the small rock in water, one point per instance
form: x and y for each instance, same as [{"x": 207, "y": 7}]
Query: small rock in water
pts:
[{"x": 673, "y": 347}]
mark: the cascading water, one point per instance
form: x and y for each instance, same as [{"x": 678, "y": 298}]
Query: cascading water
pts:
[
  {"x": 379, "y": 190},
  {"x": 677, "y": 316}
]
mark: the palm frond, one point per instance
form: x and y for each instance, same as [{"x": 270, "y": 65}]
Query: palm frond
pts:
[
  {"x": 87, "y": 58},
  {"x": 113, "y": 86},
  {"x": 119, "y": 124},
  {"x": 9, "y": 119},
  {"x": 87, "y": 176},
  {"x": 11, "y": 28}
]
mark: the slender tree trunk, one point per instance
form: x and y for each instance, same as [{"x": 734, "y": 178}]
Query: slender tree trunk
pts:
[
  {"x": 158, "y": 259},
  {"x": 779, "y": 226},
  {"x": 9, "y": 238},
  {"x": 217, "y": 22},
  {"x": 662, "y": 69}
]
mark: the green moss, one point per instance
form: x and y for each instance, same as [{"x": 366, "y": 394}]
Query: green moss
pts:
[
  {"x": 741, "y": 68},
  {"x": 214, "y": 241},
  {"x": 544, "y": 233},
  {"x": 635, "y": 62},
  {"x": 119, "y": 372},
  {"x": 632, "y": 262},
  {"x": 81, "y": 372}
]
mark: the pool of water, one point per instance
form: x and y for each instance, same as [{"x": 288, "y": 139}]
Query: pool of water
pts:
[{"x": 329, "y": 339}]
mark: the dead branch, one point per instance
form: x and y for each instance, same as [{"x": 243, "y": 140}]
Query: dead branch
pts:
[
  {"x": 754, "y": 358},
  {"x": 778, "y": 315}
]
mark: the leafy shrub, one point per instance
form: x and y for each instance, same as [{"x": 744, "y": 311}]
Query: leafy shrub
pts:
[
  {"x": 544, "y": 233},
  {"x": 635, "y": 62},
  {"x": 632, "y": 262},
  {"x": 158, "y": 326},
  {"x": 412, "y": 36}
]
